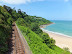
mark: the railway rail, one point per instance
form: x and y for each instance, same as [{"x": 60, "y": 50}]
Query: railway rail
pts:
[
  {"x": 17, "y": 47},
  {"x": 17, "y": 44}
]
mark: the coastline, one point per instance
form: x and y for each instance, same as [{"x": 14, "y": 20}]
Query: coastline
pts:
[
  {"x": 46, "y": 31},
  {"x": 62, "y": 41},
  {"x": 43, "y": 26}
]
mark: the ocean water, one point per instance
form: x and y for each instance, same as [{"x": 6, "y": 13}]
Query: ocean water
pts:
[{"x": 61, "y": 27}]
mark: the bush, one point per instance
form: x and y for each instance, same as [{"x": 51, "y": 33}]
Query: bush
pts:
[
  {"x": 21, "y": 22},
  {"x": 4, "y": 34},
  {"x": 35, "y": 42},
  {"x": 35, "y": 27},
  {"x": 40, "y": 44}
]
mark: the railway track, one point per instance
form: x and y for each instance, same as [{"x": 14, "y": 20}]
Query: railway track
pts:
[{"x": 17, "y": 47}]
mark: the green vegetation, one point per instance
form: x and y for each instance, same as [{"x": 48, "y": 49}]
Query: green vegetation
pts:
[
  {"x": 5, "y": 29},
  {"x": 39, "y": 42}
]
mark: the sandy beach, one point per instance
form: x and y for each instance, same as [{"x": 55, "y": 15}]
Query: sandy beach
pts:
[
  {"x": 61, "y": 40},
  {"x": 43, "y": 26}
]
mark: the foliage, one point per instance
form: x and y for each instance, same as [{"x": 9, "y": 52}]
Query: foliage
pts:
[
  {"x": 35, "y": 42},
  {"x": 4, "y": 35},
  {"x": 39, "y": 42},
  {"x": 66, "y": 49},
  {"x": 10, "y": 20},
  {"x": 21, "y": 22},
  {"x": 34, "y": 27},
  {"x": 5, "y": 29},
  {"x": 49, "y": 41}
]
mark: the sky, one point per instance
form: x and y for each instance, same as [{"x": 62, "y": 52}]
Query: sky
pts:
[{"x": 48, "y": 9}]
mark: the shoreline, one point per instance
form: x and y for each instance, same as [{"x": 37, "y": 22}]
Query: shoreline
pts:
[
  {"x": 46, "y": 31},
  {"x": 43, "y": 26},
  {"x": 62, "y": 40}
]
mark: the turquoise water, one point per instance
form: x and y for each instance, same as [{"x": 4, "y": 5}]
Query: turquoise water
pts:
[{"x": 63, "y": 27}]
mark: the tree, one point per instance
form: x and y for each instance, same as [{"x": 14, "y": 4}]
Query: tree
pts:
[
  {"x": 8, "y": 9},
  {"x": 10, "y": 21},
  {"x": 21, "y": 22},
  {"x": 19, "y": 11}
]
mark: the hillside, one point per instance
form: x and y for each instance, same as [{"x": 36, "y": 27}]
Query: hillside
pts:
[{"x": 39, "y": 42}]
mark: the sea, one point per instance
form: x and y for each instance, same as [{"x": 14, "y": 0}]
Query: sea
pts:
[{"x": 60, "y": 27}]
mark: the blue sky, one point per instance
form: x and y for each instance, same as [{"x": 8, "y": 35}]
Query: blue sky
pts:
[{"x": 49, "y": 9}]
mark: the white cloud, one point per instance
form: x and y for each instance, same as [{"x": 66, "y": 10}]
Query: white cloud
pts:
[
  {"x": 66, "y": 0},
  {"x": 40, "y": 0},
  {"x": 25, "y": 1},
  {"x": 18, "y": 1}
]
